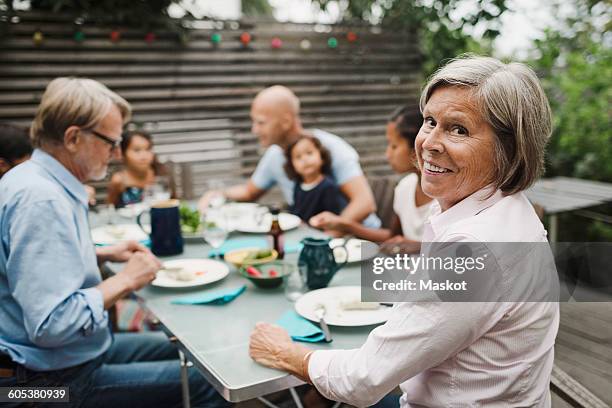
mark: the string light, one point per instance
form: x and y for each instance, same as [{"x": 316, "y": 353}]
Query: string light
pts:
[
  {"x": 276, "y": 43},
  {"x": 79, "y": 36},
  {"x": 115, "y": 36},
  {"x": 245, "y": 38},
  {"x": 216, "y": 38},
  {"x": 38, "y": 37}
]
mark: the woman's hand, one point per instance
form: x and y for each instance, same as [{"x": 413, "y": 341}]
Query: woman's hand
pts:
[
  {"x": 268, "y": 341},
  {"x": 271, "y": 346},
  {"x": 121, "y": 252},
  {"x": 400, "y": 244},
  {"x": 328, "y": 221}
]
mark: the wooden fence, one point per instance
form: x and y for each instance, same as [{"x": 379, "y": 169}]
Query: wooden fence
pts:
[{"x": 195, "y": 96}]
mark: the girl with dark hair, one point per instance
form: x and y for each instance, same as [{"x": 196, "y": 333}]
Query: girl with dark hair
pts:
[
  {"x": 15, "y": 146},
  {"x": 141, "y": 169},
  {"x": 308, "y": 163},
  {"x": 410, "y": 204}
]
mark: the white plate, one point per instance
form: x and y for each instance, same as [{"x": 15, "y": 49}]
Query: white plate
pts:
[
  {"x": 356, "y": 249},
  {"x": 335, "y": 315},
  {"x": 287, "y": 222},
  {"x": 213, "y": 271},
  {"x": 236, "y": 210},
  {"x": 113, "y": 234},
  {"x": 252, "y": 221}
]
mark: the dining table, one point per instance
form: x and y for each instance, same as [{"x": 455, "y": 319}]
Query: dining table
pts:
[{"x": 214, "y": 339}]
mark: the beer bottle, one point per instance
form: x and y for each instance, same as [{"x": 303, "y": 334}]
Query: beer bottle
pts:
[{"x": 276, "y": 233}]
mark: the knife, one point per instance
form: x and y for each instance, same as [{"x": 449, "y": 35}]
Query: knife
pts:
[{"x": 320, "y": 313}]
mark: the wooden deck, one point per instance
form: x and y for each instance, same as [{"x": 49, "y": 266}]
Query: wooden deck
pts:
[{"x": 584, "y": 347}]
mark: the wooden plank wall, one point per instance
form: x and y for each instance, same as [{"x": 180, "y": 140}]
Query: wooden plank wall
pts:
[{"x": 199, "y": 93}]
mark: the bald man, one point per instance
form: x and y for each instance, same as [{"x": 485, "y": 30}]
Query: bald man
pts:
[{"x": 275, "y": 115}]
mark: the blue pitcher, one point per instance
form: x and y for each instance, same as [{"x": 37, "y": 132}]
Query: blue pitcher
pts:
[
  {"x": 317, "y": 262},
  {"x": 165, "y": 234}
]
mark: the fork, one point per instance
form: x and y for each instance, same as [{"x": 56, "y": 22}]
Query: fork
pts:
[{"x": 320, "y": 313}]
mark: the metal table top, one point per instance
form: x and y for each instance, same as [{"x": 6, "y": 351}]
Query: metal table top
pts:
[
  {"x": 215, "y": 338},
  {"x": 560, "y": 194}
]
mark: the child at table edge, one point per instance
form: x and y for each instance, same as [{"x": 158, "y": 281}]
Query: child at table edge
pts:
[{"x": 309, "y": 165}]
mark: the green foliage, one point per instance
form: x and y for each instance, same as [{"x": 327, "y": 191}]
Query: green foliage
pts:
[
  {"x": 575, "y": 65},
  {"x": 256, "y": 8},
  {"x": 144, "y": 14},
  {"x": 441, "y": 33}
]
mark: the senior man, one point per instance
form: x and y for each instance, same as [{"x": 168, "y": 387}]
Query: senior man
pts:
[
  {"x": 275, "y": 115},
  {"x": 54, "y": 327}
]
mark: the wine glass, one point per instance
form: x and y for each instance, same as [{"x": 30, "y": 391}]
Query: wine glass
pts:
[
  {"x": 157, "y": 191},
  {"x": 214, "y": 229},
  {"x": 217, "y": 200}
]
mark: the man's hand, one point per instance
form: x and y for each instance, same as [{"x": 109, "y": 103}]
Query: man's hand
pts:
[
  {"x": 140, "y": 270},
  {"x": 209, "y": 198},
  {"x": 121, "y": 252}
]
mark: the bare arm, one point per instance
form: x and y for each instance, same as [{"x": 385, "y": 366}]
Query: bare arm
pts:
[
  {"x": 335, "y": 223},
  {"x": 360, "y": 197},
  {"x": 241, "y": 192},
  {"x": 244, "y": 192},
  {"x": 139, "y": 271},
  {"x": 115, "y": 187}
]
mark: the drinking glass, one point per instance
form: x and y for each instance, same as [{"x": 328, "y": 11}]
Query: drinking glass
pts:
[
  {"x": 217, "y": 200},
  {"x": 157, "y": 191},
  {"x": 295, "y": 284},
  {"x": 214, "y": 229}
]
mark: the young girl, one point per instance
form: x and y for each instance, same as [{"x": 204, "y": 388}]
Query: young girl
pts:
[
  {"x": 410, "y": 204},
  {"x": 141, "y": 169},
  {"x": 309, "y": 165},
  {"x": 15, "y": 146}
]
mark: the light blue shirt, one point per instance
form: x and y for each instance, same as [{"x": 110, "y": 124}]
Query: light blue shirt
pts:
[
  {"x": 345, "y": 166},
  {"x": 51, "y": 314}
]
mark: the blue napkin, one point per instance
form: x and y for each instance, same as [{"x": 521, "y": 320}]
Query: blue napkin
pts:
[
  {"x": 146, "y": 242},
  {"x": 238, "y": 243},
  {"x": 260, "y": 243},
  {"x": 217, "y": 297},
  {"x": 299, "y": 328}
]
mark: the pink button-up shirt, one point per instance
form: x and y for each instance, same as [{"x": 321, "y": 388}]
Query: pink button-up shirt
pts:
[{"x": 445, "y": 354}]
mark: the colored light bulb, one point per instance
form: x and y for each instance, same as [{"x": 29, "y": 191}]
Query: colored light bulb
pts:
[
  {"x": 276, "y": 42},
  {"x": 245, "y": 38}
]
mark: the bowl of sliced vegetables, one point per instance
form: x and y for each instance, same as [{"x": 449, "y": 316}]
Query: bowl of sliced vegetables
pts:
[
  {"x": 250, "y": 256},
  {"x": 269, "y": 275}
]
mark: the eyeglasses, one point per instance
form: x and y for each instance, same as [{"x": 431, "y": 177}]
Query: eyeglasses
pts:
[{"x": 115, "y": 143}]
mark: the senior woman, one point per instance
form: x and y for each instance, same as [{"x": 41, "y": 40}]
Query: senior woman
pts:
[{"x": 486, "y": 125}]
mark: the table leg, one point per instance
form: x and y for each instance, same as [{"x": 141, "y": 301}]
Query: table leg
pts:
[
  {"x": 267, "y": 403},
  {"x": 553, "y": 227},
  {"x": 184, "y": 380},
  {"x": 296, "y": 398}
]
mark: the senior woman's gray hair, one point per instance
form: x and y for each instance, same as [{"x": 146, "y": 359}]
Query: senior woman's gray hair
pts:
[
  {"x": 69, "y": 101},
  {"x": 511, "y": 100}
]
